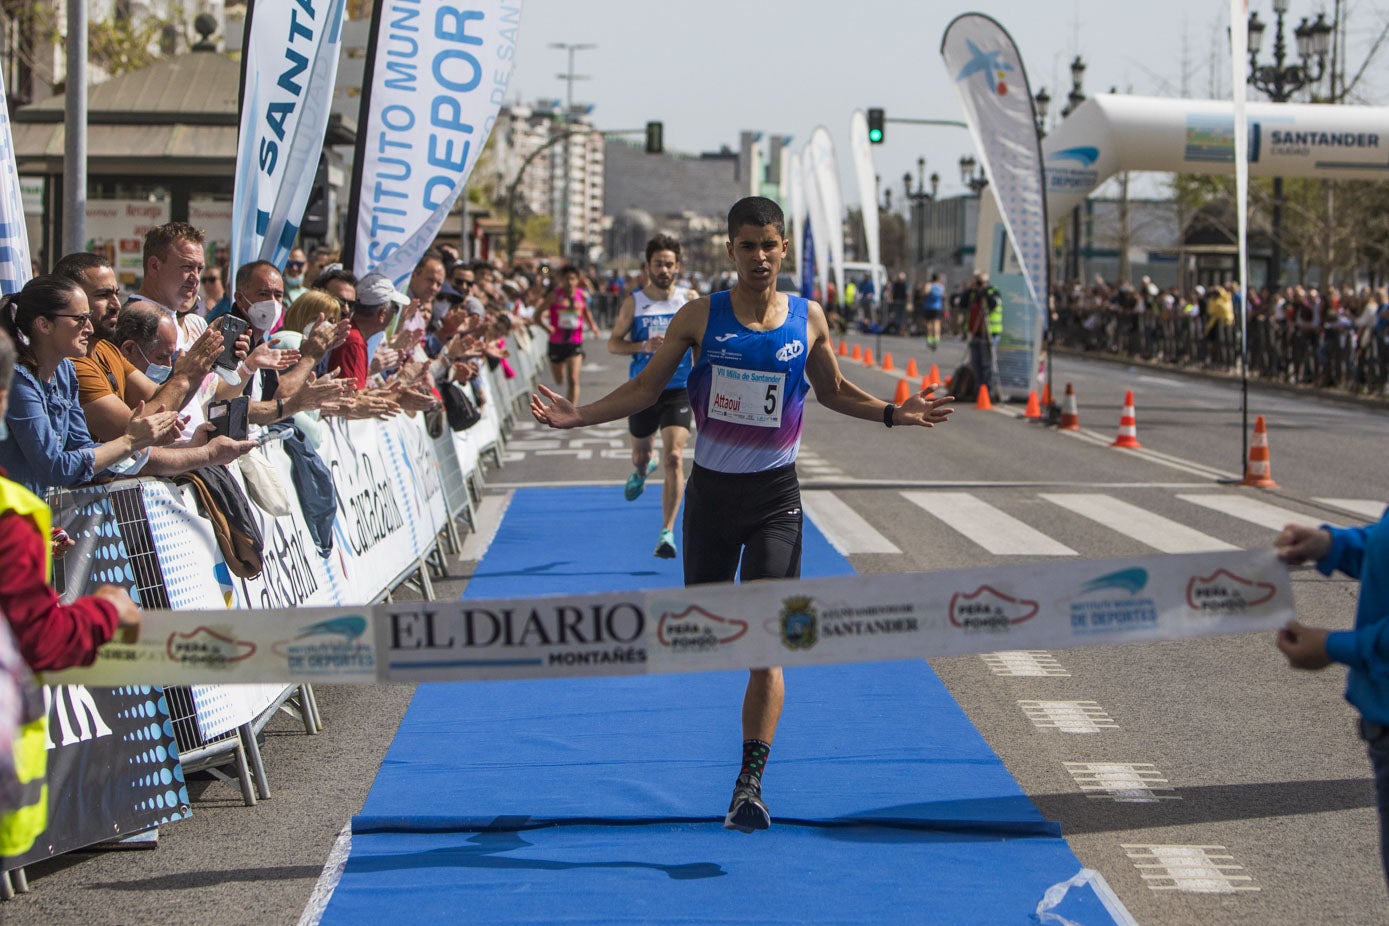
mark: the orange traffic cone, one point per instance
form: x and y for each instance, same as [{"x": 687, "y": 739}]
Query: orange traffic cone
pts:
[
  {"x": 1070, "y": 415},
  {"x": 868, "y": 357},
  {"x": 912, "y": 372},
  {"x": 858, "y": 352},
  {"x": 1128, "y": 425},
  {"x": 983, "y": 400},
  {"x": 1046, "y": 395},
  {"x": 1257, "y": 472},
  {"x": 933, "y": 376},
  {"x": 1034, "y": 408},
  {"x": 904, "y": 392},
  {"x": 887, "y": 363},
  {"x": 844, "y": 348}
]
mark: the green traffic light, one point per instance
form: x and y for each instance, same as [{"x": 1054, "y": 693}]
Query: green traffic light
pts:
[{"x": 875, "y": 135}]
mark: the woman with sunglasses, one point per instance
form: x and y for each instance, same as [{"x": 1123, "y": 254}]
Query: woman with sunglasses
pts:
[{"x": 47, "y": 443}]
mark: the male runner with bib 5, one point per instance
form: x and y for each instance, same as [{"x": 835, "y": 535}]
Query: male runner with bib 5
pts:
[{"x": 755, "y": 350}]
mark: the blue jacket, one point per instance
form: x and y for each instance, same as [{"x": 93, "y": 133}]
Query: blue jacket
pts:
[
  {"x": 1363, "y": 553},
  {"x": 49, "y": 444}
]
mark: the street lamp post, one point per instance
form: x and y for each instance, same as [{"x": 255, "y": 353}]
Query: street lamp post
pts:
[
  {"x": 1280, "y": 81},
  {"x": 918, "y": 199},
  {"x": 569, "y": 77},
  {"x": 1073, "y": 101},
  {"x": 972, "y": 174}
]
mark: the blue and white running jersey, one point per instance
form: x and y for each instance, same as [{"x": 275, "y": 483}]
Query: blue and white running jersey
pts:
[
  {"x": 748, "y": 389},
  {"x": 650, "y": 320}
]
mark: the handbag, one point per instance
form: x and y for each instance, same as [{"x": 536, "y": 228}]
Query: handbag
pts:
[
  {"x": 263, "y": 484},
  {"x": 459, "y": 406}
]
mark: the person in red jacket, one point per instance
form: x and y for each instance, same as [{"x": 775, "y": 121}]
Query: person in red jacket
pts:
[{"x": 51, "y": 635}]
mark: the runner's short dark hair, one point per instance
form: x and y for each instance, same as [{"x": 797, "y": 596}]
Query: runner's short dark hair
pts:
[
  {"x": 757, "y": 211},
  {"x": 662, "y": 243}
]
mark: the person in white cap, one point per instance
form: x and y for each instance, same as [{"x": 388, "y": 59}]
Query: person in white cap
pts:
[{"x": 377, "y": 302}]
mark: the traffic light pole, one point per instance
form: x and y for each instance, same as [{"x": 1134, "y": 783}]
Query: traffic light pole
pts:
[{"x": 905, "y": 121}]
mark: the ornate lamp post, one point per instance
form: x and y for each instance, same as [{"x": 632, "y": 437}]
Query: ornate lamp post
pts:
[{"x": 1280, "y": 81}]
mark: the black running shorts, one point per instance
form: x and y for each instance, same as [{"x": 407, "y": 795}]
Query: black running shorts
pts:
[
  {"x": 562, "y": 352},
  {"x": 746, "y": 525},
  {"x": 671, "y": 410}
]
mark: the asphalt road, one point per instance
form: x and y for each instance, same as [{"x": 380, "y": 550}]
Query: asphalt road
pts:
[{"x": 1214, "y": 746}]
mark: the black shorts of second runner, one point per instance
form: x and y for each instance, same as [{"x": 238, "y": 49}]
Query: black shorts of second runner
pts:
[
  {"x": 671, "y": 410},
  {"x": 562, "y": 352},
  {"x": 742, "y": 524},
  {"x": 932, "y": 315}
]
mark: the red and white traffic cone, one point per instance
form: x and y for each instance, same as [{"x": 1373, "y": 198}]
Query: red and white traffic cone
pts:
[
  {"x": 1128, "y": 425},
  {"x": 1070, "y": 415},
  {"x": 1257, "y": 472}
]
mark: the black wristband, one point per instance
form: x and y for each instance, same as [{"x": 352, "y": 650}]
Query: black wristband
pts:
[
  {"x": 888, "y": 411},
  {"x": 279, "y": 408}
]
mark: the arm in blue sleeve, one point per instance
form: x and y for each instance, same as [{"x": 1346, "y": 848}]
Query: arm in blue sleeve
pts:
[
  {"x": 1347, "y": 551},
  {"x": 55, "y": 456},
  {"x": 1365, "y": 649}
]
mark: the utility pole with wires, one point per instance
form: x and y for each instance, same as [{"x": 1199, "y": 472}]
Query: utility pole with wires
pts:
[{"x": 568, "y": 77}]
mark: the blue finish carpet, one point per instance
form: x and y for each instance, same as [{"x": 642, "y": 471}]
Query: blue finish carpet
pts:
[{"x": 602, "y": 800}]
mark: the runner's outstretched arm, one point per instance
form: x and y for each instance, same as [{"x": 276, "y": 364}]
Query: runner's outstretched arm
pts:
[{"x": 838, "y": 394}]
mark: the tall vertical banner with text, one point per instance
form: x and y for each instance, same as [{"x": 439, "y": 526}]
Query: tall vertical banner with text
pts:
[
  {"x": 436, "y": 74},
  {"x": 867, "y": 178},
  {"x": 289, "y": 66},
  {"x": 988, "y": 73},
  {"x": 15, "y": 266},
  {"x": 795, "y": 208},
  {"x": 825, "y": 170},
  {"x": 817, "y": 234}
]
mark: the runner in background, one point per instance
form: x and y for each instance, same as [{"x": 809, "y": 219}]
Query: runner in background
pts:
[
  {"x": 639, "y": 332},
  {"x": 933, "y": 308},
  {"x": 566, "y": 313}
]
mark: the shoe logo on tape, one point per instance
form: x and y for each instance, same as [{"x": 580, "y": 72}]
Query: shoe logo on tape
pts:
[
  {"x": 1227, "y": 593},
  {"x": 206, "y": 647},
  {"x": 695, "y": 629},
  {"x": 986, "y": 608}
]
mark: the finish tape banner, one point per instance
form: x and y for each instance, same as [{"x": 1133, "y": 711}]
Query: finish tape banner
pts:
[{"x": 714, "y": 627}]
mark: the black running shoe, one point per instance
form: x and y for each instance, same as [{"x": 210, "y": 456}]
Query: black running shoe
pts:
[{"x": 746, "y": 812}]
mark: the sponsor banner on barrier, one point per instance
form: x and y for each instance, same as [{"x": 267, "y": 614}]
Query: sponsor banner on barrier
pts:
[
  {"x": 711, "y": 627},
  {"x": 112, "y": 767}
]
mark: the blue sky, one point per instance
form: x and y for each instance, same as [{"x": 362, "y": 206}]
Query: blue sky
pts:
[{"x": 711, "y": 68}]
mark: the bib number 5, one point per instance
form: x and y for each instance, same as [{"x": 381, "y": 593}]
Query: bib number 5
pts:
[{"x": 769, "y": 406}]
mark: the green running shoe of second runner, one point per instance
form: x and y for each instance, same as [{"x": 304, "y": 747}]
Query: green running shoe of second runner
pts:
[
  {"x": 665, "y": 547},
  {"x": 637, "y": 481}
]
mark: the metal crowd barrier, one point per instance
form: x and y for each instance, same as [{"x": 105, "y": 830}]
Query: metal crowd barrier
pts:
[{"x": 1349, "y": 359}]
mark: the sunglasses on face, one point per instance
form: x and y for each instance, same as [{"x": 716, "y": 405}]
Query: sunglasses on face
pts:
[{"x": 294, "y": 265}]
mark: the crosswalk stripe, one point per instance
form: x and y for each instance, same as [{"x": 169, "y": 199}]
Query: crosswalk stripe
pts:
[
  {"x": 994, "y": 530},
  {"x": 1162, "y": 534},
  {"x": 1248, "y": 509},
  {"x": 844, "y": 527},
  {"x": 1372, "y": 509}
]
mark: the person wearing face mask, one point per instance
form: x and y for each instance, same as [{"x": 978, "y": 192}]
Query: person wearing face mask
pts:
[
  {"x": 279, "y": 382},
  {"x": 147, "y": 339},
  {"x": 295, "y": 284},
  {"x": 109, "y": 386}
]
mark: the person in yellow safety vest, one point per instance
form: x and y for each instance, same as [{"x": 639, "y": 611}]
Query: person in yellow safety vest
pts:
[
  {"x": 984, "y": 327},
  {"x": 49, "y": 635},
  {"x": 23, "y": 753}
]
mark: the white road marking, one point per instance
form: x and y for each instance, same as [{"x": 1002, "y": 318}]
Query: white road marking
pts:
[
  {"x": 1192, "y": 869},
  {"x": 1371, "y": 509},
  {"x": 1024, "y": 664},
  {"x": 1162, "y": 534},
  {"x": 328, "y": 879},
  {"x": 997, "y": 532},
  {"x": 1248, "y": 509},
  {"x": 1068, "y": 716},
  {"x": 1122, "y": 783},
  {"x": 844, "y": 527},
  {"x": 488, "y": 518}
]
